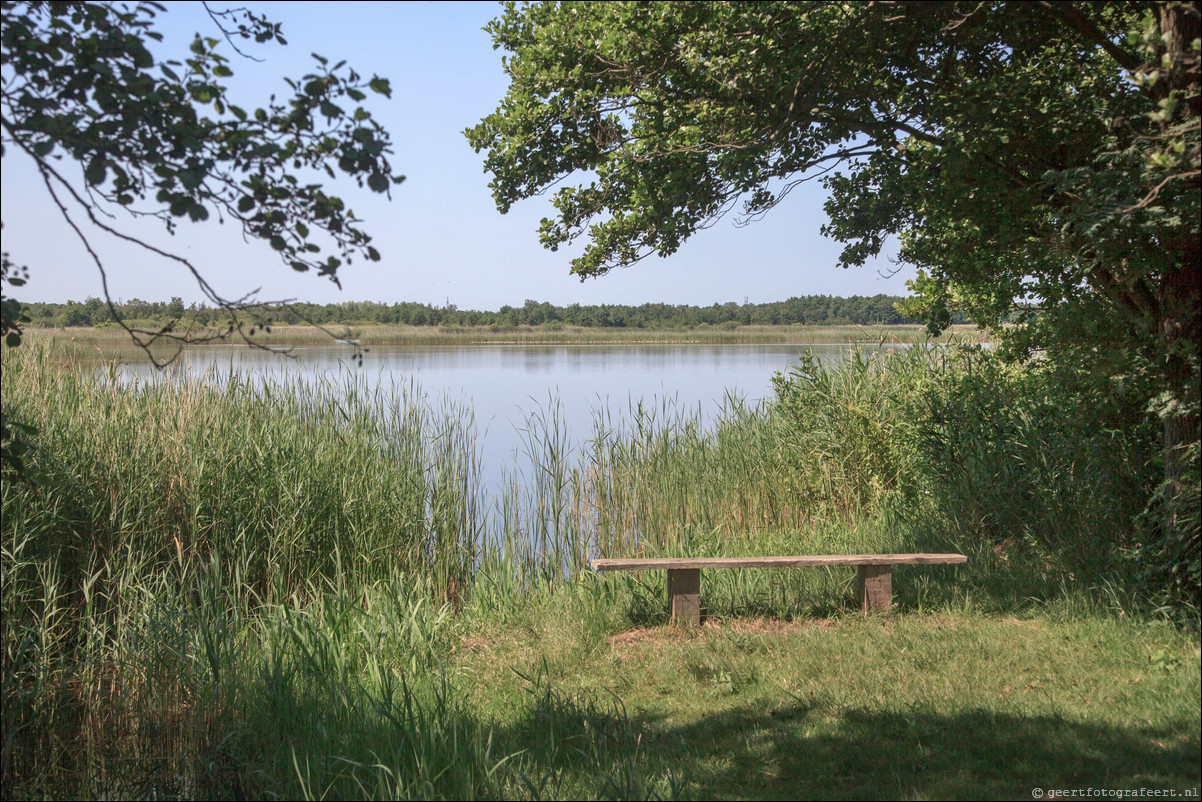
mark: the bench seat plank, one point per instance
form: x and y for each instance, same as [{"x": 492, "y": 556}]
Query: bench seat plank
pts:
[{"x": 651, "y": 564}]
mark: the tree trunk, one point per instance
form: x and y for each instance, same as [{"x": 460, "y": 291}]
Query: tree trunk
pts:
[
  {"x": 1182, "y": 285},
  {"x": 1181, "y": 288},
  {"x": 1179, "y": 333}
]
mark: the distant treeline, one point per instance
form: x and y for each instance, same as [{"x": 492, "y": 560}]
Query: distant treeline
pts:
[{"x": 807, "y": 310}]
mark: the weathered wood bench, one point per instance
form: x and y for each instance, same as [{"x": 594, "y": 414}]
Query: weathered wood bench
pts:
[{"x": 875, "y": 586}]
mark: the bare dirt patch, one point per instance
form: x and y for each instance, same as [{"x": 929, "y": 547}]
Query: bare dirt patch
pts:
[
  {"x": 476, "y": 643},
  {"x": 489, "y": 648},
  {"x": 624, "y": 642},
  {"x": 766, "y": 626}
]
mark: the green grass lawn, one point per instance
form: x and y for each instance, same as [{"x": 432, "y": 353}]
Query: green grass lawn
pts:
[{"x": 915, "y": 705}]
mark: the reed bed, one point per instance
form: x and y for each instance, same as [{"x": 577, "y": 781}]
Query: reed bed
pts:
[{"x": 285, "y": 478}]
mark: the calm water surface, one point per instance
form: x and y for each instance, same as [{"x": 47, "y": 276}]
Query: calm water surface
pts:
[{"x": 505, "y": 384}]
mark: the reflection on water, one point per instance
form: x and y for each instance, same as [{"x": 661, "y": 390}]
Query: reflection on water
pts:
[{"x": 505, "y": 384}]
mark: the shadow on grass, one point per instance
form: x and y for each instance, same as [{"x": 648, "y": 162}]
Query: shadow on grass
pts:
[
  {"x": 805, "y": 751},
  {"x": 874, "y": 754}
]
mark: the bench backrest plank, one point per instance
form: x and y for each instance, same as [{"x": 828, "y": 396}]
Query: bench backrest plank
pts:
[{"x": 650, "y": 564}]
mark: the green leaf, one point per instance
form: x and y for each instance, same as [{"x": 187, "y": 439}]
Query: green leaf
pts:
[
  {"x": 377, "y": 182},
  {"x": 96, "y": 171},
  {"x": 380, "y": 86}
]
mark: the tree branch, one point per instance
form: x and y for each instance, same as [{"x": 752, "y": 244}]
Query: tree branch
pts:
[{"x": 1076, "y": 20}]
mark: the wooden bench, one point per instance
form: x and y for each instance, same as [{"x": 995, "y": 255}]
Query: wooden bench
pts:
[{"x": 875, "y": 586}]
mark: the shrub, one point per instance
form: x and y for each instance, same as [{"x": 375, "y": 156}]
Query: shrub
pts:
[{"x": 1015, "y": 454}]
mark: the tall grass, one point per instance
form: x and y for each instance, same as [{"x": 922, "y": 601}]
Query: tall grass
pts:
[
  {"x": 287, "y": 479},
  {"x": 990, "y": 453},
  {"x": 165, "y": 688},
  {"x": 654, "y": 481}
]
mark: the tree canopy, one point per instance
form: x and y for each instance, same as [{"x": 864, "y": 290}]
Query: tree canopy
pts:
[
  {"x": 804, "y": 311},
  {"x": 1016, "y": 149},
  {"x": 1031, "y": 159}
]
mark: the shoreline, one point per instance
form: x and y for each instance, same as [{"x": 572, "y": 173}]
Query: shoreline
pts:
[{"x": 378, "y": 335}]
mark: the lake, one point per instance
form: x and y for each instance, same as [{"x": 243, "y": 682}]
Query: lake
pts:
[{"x": 566, "y": 385}]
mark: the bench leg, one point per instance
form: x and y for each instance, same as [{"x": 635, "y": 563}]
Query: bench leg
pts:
[
  {"x": 684, "y": 596},
  {"x": 876, "y": 587}
]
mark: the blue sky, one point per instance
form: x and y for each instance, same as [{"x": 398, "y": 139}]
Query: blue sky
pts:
[{"x": 441, "y": 237}]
